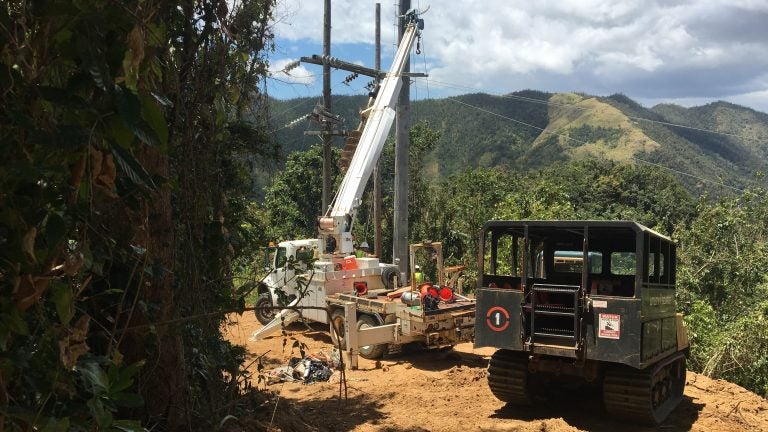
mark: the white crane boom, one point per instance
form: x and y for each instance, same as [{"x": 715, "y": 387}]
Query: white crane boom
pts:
[{"x": 335, "y": 227}]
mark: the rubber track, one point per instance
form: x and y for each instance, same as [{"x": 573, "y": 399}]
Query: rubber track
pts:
[
  {"x": 627, "y": 394},
  {"x": 508, "y": 377}
]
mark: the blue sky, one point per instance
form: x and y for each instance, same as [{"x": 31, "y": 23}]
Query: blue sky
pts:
[{"x": 689, "y": 52}]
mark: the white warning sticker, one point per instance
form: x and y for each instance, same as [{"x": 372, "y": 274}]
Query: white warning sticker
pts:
[{"x": 610, "y": 326}]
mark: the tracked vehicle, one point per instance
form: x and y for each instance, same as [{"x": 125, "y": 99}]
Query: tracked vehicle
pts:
[{"x": 587, "y": 300}]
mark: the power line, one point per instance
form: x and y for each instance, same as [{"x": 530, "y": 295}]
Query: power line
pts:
[{"x": 543, "y": 130}]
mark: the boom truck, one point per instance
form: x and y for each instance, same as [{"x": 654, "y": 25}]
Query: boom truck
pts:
[
  {"x": 584, "y": 301},
  {"x": 334, "y": 269}
]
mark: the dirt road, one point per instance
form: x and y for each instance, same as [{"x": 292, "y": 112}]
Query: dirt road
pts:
[{"x": 447, "y": 391}]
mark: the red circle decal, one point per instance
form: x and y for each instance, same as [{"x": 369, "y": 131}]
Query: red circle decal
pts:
[{"x": 497, "y": 318}]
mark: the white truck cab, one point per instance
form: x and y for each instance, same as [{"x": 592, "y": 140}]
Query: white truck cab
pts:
[{"x": 280, "y": 287}]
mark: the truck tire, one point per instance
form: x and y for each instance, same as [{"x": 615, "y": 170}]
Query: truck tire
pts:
[
  {"x": 337, "y": 321},
  {"x": 370, "y": 352},
  {"x": 264, "y": 316}
]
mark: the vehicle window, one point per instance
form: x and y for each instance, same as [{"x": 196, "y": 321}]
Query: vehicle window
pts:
[
  {"x": 269, "y": 257},
  {"x": 506, "y": 262},
  {"x": 651, "y": 264},
  {"x": 571, "y": 262},
  {"x": 304, "y": 255},
  {"x": 505, "y": 257},
  {"x": 280, "y": 257},
  {"x": 623, "y": 263},
  {"x": 537, "y": 260}
]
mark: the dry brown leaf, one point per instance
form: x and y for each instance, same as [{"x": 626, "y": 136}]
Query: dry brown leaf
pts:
[
  {"x": 73, "y": 344},
  {"x": 30, "y": 290},
  {"x": 96, "y": 160},
  {"x": 108, "y": 172},
  {"x": 76, "y": 172},
  {"x": 28, "y": 244}
]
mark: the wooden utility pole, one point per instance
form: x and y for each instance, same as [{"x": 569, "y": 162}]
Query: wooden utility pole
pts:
[
  {"x": 327, "y": 126},
  {"x": 377, "y": 216},
  {"x": 400, "y": 236}
]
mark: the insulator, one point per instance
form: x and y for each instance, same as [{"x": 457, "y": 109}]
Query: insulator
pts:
[
  {"x": 291, "y": 65},
  {"x": 293, "y": 123},
  {"x": 350, "y": 78}
]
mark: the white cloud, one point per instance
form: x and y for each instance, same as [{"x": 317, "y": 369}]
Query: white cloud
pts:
[
  {"x": 351, "y": 21},
  {"x": 646, "y": 49}
]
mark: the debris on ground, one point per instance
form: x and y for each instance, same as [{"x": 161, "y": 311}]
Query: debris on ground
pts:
[{"x": 313, "y": 368}]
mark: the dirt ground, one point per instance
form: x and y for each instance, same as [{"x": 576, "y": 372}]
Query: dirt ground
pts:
[{"x": 422, "y": 390}]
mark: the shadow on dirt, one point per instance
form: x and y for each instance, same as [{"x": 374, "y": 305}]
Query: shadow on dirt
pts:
[
  {"x": 436, "y": 360},
  {"x": 582, "y": 408},
  {"x": 314, "y": 330},
  {"x": 360, "y": 409}
]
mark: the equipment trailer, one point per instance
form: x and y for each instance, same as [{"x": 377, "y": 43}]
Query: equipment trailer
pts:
[
  {"x": 594, "y": 300},
  {"x": 373, "y": 323}
]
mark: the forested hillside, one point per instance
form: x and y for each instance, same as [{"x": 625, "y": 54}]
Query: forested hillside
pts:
[{"x": 529, "y": 130}]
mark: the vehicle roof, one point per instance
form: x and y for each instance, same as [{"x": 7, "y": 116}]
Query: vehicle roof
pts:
[
  {"x": 299, "y": 243},
  {"x": 634, "y": 226}
]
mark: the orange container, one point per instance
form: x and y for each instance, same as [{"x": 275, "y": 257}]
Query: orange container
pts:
[{"x": 350, "y": 263}]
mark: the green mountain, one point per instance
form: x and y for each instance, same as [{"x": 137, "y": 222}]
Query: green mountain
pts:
[{"x": 526, "y": 130}]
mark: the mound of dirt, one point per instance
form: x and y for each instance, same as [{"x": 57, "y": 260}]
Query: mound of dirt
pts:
[
  {"x": 552, "y": 425},
  {"x": 448, "y": 391}
]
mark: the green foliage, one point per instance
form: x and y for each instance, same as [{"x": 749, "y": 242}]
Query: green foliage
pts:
[
  {"x": 725, "y": 254},
  {"x": 591, "y": 134},
  {"x": 731, "y": 349},
  {"x": 461, "y": 205},
  {"x": 722, "y": 287},
  {"x": 123, "y": 145},
  {"x": 293, "y": 200},
  {"x": 537, "y": 198},
  {"x": 601, "y": 189}
]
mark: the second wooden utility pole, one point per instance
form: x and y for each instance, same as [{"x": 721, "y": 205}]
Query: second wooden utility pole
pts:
[
  {"x": 377, "y": 216},
  {"x": 327, "y": 139}
]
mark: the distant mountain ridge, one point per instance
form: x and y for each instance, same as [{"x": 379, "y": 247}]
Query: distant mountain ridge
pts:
[{"x": 532, "y": 129}]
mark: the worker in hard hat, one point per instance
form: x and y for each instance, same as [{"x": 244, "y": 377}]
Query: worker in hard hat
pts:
[
  {"x": 418, "y": 276},
  {"x": 362, "y": 250}
]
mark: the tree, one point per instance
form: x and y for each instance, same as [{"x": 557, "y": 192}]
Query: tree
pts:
[
  {"x": 292, "y": 202},
  {"x": 607, "y": 190},
  {"x": 723, "y": 287},
  {"x": 123, "y": 140}
]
